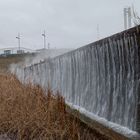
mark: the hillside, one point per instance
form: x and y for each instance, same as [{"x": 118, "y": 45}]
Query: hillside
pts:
[{"x": 6, "y": 61}]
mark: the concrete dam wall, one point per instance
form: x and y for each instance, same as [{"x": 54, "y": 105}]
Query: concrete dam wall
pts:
[{"x": 102, "y": 77}]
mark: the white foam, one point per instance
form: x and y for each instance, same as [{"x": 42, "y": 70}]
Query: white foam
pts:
[{"x": 116, "y": 127}]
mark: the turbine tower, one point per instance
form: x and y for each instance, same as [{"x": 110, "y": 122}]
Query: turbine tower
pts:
[
  {"x": 44, "y": 35},
  {"x": 131, "y": 17},
  {"x": 127, "y": 18},
  {"x": 18, "y": 37}
]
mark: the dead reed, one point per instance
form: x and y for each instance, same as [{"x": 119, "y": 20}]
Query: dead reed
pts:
[{"x": 28, "y": 113}]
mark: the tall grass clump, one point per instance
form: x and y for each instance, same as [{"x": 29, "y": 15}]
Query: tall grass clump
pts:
[{"x": 28, "y": 112}]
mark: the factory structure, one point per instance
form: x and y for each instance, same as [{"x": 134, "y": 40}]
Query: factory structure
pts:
[
  {"x": 131, "y": 17},
  {"x": 14, "y": 50}
]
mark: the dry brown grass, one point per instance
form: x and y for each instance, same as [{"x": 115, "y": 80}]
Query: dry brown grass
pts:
[
  {"x": 17, "y": 58},
  {"x": 6, "y": 61},
  {"x": 26, "y": 113}
]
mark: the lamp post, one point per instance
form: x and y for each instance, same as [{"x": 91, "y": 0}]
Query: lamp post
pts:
[
  {"x": 44, "y": 35},
  {"x": 18, "y": 37}
]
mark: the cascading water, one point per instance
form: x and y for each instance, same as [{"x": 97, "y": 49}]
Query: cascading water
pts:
[{"x": 102, "y": 77}]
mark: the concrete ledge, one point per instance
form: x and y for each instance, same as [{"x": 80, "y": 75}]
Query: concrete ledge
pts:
[{"x": 98, "y": 126}]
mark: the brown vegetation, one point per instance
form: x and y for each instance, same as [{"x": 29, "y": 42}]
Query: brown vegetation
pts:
[
  {"x": 27, "y": 113},
  {"x": 5, "y": 61}
]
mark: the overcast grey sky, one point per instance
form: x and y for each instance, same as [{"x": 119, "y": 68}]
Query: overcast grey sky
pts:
[{"x": 68, "y": 23}]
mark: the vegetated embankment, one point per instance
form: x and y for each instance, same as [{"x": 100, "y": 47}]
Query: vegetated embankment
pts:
[
  {"x": 6, "y": 61},
  {"x": 27, "y": 113}
]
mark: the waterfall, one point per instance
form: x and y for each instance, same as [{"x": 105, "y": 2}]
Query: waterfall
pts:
[{"x": 102, "y": 77}]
